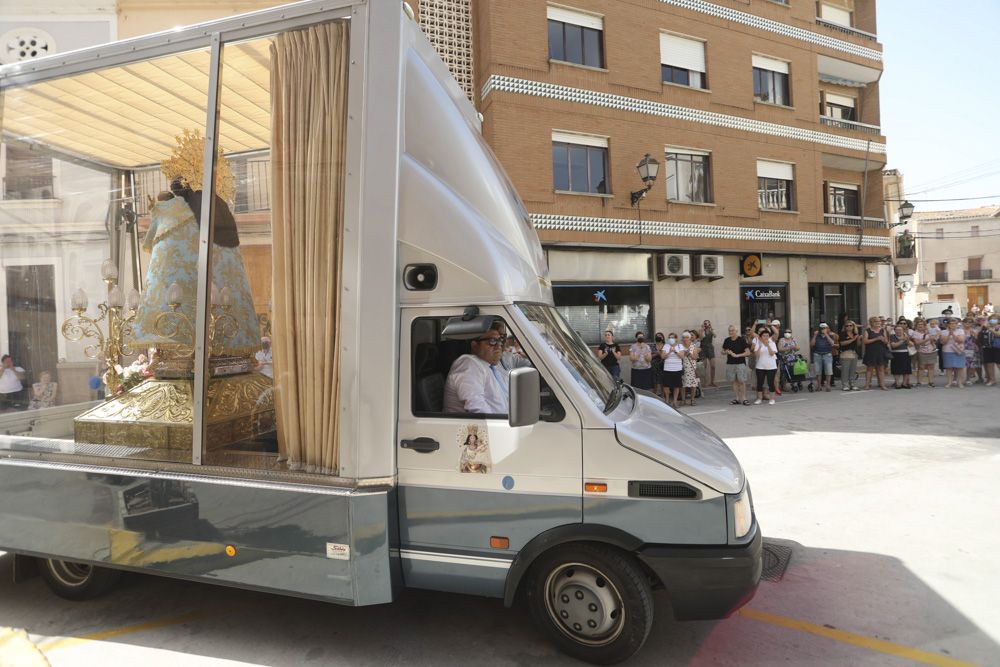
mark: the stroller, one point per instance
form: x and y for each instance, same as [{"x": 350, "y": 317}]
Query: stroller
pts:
[{"x": 794, "y": 370}]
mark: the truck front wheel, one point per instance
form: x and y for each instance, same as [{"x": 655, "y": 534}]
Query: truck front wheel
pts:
[
  {"x": 593, "y": 601},
  {"x": 77, "y": 581}
]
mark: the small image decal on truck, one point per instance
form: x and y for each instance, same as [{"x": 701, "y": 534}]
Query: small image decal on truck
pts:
[{"x": 475, "y": 446}]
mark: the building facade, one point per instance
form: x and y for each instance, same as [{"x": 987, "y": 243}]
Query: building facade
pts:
[
  {"x": 763, "y": 117},
  {"x": 958, "y": 255}
]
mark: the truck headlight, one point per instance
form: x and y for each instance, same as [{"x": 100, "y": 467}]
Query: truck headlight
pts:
[{"x": 743, "y": 513}]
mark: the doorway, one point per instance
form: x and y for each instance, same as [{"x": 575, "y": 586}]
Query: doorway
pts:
[
  {"x": 978, "y": 295},
  {"x": 31, "y": 319}
]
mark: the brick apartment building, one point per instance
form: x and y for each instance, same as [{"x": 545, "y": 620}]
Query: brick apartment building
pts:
[{"x": 763, "y": 116}]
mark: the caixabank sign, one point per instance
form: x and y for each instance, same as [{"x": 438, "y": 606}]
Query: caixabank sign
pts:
[{"x": 763, "y": 292}]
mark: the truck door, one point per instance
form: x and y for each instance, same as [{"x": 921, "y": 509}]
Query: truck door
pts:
[{"x": 472, "y": 489}]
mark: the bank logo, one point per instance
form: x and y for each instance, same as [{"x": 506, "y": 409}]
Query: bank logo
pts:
[
  {"x": 750, "y": 295},
  {"x": 599, "y": 296}
]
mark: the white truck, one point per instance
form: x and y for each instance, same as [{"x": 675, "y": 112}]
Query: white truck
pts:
[{"x": 346, "y": 480}]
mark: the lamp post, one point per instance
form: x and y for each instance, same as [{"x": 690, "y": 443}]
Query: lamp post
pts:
[{"x": 647, "y": 168}]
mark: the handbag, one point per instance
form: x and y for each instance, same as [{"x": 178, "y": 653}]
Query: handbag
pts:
[{"x": 800, "y": 367}]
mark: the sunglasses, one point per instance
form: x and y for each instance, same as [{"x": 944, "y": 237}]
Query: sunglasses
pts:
[{"x": 493, "y": 342}]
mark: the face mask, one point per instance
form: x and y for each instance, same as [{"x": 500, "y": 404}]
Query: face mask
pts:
[
  {"x": 640, "y": 339},
  {"x": 788, "y": 334},
  {"x": 993, "y": 321},
  {"x": 672, "y": 341}
]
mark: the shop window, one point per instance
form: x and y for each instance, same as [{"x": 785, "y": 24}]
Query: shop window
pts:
[{"x": 592, "y": 309}]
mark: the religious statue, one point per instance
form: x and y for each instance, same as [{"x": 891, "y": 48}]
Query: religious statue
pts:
[{"x": 172, "y": 277}]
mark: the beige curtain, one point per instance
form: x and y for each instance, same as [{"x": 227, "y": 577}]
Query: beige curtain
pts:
[{"x": 308, "y": 108}]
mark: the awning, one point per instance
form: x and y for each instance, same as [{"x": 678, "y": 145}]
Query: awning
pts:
[{"x": 130, "y": 116}]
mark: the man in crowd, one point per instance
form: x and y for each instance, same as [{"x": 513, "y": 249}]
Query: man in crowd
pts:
[
  {"x": 10, "y": 382},
  {"x": 736, "y": 351}
]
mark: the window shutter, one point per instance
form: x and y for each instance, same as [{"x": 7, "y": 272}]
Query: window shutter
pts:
[
  {"x": 682, "y": 52},
  {"x": 840, "y": 99},
  {"x": 772, "y": 64},
  {"x": 844, "y": 186},
  {"x": 684, "y": 151},
  {"x": 579, "y": 139},
  {"x": 576, "y": 18},
  {"x": 835, "y": 15},
  {"x": 781, "y": 170}
]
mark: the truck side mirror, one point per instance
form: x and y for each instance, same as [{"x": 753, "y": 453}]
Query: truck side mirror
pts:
[{"x": 524, "y": 396}]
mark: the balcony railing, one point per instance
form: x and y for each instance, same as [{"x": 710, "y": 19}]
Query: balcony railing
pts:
[
  {"x": 981, "y": 274},
  {"x": 941, "y": 277},
  {"x": 850, "y": 125},
  {"x": 847, "y": 30},
  {"x": 853, "y": 220}
]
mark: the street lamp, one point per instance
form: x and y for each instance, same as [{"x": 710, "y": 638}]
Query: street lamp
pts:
[
  {"x": 905, "y": 213},
  {"x": 647, "y": 168}
]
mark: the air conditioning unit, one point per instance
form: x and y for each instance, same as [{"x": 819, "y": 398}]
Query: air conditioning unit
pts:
[
  {"x": 708, "y": 266},
  {"x": 673, "y": 266}
]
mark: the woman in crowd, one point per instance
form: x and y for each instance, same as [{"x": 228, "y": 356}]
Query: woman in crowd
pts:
[
  {"x": 850, "y": 348},
  {"x": 899, "y": 343},
  {"x": 656, "y": 367},
  {"x": 973, "y": 355},
  {"x": 673, "y": 369},
  {"x": 766, "y": 364},
  {"x": 708, "y": 350},
  {"x": 823, "y": 342},
  {"x": 788, "y": 350},
  {"x": 953, "y": 349},
  {"x": 876, "y": 352},
  {"x": 989, "y": 344},
  {"x": 642, "y": 359},
  {"x": 926, "y": 345},
  {"x": 689, "y": 366},
  {"x": 43, "y": 392}
]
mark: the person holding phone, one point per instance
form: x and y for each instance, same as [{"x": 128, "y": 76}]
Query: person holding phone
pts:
[
  {"x": 766, "y": 364},
  {"x": 673, "y": 369},
  {"x": 823, "y": 342}
]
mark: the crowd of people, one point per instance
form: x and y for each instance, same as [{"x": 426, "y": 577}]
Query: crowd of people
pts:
[
  {"x": 767, "y": 359},
  {"x": 14, "y": 395}
]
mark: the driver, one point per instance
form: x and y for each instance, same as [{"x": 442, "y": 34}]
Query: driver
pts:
[{"x": 477, "y": 382}]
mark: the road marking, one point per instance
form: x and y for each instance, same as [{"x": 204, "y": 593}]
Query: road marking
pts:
[
  {"x": 706, "y": 412},
  {"x": 877, "y": 645},
  {"x": 55, "y": 643},
  {"x": 789, "y": 400}
]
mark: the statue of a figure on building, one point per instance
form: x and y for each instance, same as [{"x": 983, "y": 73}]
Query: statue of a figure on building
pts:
[{"x": 904, "y": 244}]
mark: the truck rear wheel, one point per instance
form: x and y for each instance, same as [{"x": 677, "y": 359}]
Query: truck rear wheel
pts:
[
  {"x": 593, "y": 601},
  {"x": 77, "y": 581}
]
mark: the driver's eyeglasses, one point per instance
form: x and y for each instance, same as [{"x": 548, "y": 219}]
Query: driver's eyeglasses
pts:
[{"x": 493, "y": 342}]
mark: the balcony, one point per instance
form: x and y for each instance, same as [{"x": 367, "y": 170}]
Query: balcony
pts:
[
  {"x": 853, "y": 221},
  {"x": 850, "y": 125},
  {"x": 941, "y": 277},
  {"x": 846, "y": 29},
  {"x": 981, "y": 274}
]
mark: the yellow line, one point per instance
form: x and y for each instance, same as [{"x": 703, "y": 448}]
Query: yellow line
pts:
[
  {"x": 878, "y": 645},
  {"x": 65, "y": 642}
]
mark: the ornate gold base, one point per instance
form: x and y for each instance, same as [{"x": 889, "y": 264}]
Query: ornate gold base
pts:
[{"x": 159, "y": 413}]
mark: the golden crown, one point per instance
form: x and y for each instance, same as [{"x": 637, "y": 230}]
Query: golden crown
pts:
[{"x": 187, "y": 162}]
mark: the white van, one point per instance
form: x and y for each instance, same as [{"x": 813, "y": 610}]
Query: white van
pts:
[
  {"x": 932, "y": 309},
  {"x": 339, "y": 475}
]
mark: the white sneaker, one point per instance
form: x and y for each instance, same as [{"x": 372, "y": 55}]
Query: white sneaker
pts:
[
  {"x": 845, "y": 388},
  {"x": 757, "y": 402},
  {"x": 771, "y": 402}
]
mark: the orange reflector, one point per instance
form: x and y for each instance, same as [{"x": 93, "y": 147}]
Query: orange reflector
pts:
[
  {"x": 230, "y": 550},
  {"x": 500, "y": 542},
  {"x": 595, "y": 487}
]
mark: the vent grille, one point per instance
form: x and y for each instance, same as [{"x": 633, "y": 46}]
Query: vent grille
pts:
[{"x": 678, "y": 490}]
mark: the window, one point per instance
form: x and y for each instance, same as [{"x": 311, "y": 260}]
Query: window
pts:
[
  {"x": 775, "y": 182},
  {"x": 688, "y": 175},
  {"x": 941, "y": 272},
  {"x": 432, "y": 357},
  {"x": 682, "y": 61},
  {"x": 834, "y": 14},
  {"x": 840, "y": 107},
  {"x": 770, "y": 80},
  {"x": 26, "y": 174},
  {"x": 975, "y": 230},
  {"x": 842, "y": 199},
  {"x": 576, "y": 37},
  {"x": 579, "y": 163},
  {"x": 939, "y": 233},
  {"x": 945, "y": 297},
  {"x": 975, "y": 264}
]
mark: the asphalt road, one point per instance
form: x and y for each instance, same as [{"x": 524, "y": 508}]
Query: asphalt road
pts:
[{"x": 887, "y": 501}]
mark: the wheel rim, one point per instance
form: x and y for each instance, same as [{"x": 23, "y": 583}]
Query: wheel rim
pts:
[
  {"x": 584, "y": 604},
  {"x": 69, "y": 573}
]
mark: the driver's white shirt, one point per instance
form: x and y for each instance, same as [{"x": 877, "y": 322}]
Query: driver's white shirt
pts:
[{"x": 472, "y": 386}]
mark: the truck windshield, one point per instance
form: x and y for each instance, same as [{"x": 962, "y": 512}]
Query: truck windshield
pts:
[{"x": 595, "y": 381}]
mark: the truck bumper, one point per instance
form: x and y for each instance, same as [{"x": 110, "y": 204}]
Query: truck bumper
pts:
[{"x": 706, "y": 583}]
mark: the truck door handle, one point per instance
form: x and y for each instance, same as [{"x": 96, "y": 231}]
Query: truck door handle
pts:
[{"x": 422, "y": 445}]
